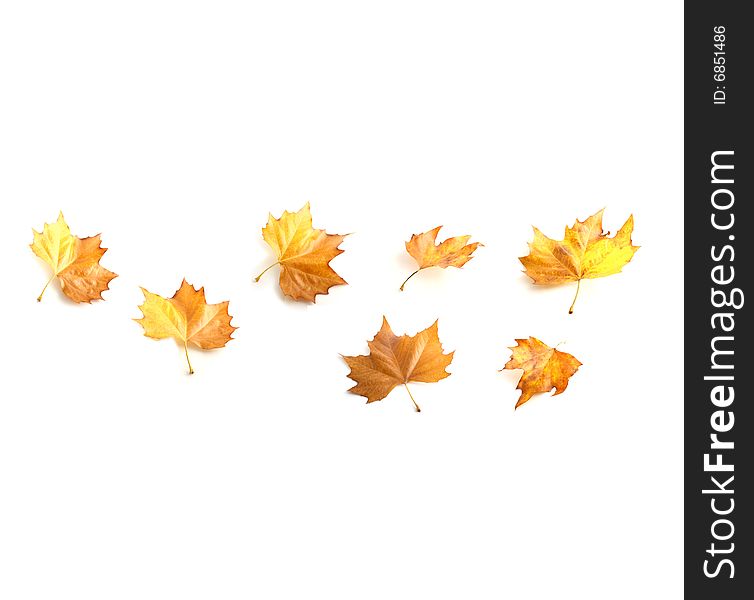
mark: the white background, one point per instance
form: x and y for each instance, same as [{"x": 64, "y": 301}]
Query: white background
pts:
[{"x": 173, "y": 129}]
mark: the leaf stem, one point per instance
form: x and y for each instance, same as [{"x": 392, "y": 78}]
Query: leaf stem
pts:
[
  {"x": 258, "y": 277},
  {"x": 409, "y": 277},
  {"x": 185, "y": 349},
  {"x": 410, "y": 395},
  {"x": 39, "y": 298},
  {"x": 578, "y": 287}
]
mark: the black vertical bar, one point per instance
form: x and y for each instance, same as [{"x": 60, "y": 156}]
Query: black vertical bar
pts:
[{"x": 718, "y": 119}]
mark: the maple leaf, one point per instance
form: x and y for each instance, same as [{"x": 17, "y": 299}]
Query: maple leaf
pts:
[
  {"x": 544, "y": 368},
  {"x": 303, "y": 253},
  {"x": 395, "y": 360},
  {"x": 187, "y": 318},
  {"x": 453, "y": 252},
  {"x": 585, "y": 252},
  {"x": 74, "y": 261}
]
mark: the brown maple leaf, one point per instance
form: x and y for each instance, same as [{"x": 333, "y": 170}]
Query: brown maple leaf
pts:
[
  {"x": 303, "y": 253},
  {"x": 395, "y": 360},
  {"x": 585, "y": 252},
  {"x": 544, "y": 368},
  {"x": 187, "y": 318},
  {"x": 453, "y": 252},
  {"x": 74, "y": 261}
]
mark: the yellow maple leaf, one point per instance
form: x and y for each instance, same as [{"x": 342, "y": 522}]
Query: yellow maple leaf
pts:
[
  {"x": 453, "y": 252},
  {"x": 585, "y": 252},
  {"x": 303, "y": 253},
  {"x": 544, "y": 368},
  {"x": 187, "y": 318},
  {"x": 74, "y": 261},
  {"x": 395, "y": 360}
]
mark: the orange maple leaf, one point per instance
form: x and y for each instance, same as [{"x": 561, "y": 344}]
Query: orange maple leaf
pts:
[
  {"x": 395, "y": 360},
  {"x": 544, "y": 368},
  {"x": 453, "y": 252},
  {"x": 585, "y": 252},
  {"x": 74, "y": 261},
  {"x": 303, "y": 253},
  {"x": 187, "y": 318}
]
